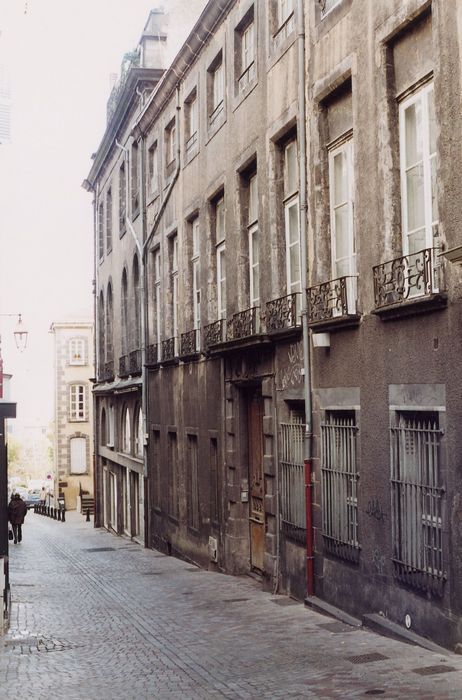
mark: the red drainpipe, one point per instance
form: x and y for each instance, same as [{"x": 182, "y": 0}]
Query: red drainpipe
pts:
[{"x": 309, "y": 529}]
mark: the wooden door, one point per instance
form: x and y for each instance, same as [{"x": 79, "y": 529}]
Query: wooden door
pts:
[{"x": 256, "y": 481}]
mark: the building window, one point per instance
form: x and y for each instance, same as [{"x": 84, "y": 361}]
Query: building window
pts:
[
  {"x": 101, "y": 332},
  {"x": 122, "y": 200},
  {"x": 217, "y": 91},
  {"x": 77, "y": 351},
  {"x": 417, "y": 495},
  {"x": 111, "y": 427},
  {"x": 247, "y": 70},
  {"x": 109, "y": 220},
  {"x": 327, "y": 6},
  {"x": 77, "y": 403},
  {"x": 136, "y": 320},
  {"x": 214, "y": 482},
  {"x": 101, "y": 231},
  {"x": 220, "y": 253},
  {"x": 341, "y": 191},
  {"x": 170, "y": 147},
  {"x": 193, "y": 483},
  {"x": 174, "y": 282},
  {"x": 340, "y": 484},
  {"x": 153, "y": 168},
  {"x": 291, "y": 218},
  {"x": 192, "y": 124},
  {"x": 293, "y": 509},
  {"x": 109, "y": 325},
  {"x": 253, "y": 238},
  {"x": 285, "y": 20},
  {"x": 135, "y": 180},
  {"x": 78, "y": 455},
  {"x": 139, "y": 436},
  {"x": 124, "y": 313},
  {"x": 418, "y": 170},
  {"x": 126, "y": 431},
  {"x": 196, "y": 285},
  {"x": 155, "y": 451},
  {"x": 157, "y": 299},
  {"x": 174, "y": 507}
]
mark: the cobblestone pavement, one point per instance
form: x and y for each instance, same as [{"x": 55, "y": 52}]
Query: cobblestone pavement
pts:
[{"x": 95, "y": 616}]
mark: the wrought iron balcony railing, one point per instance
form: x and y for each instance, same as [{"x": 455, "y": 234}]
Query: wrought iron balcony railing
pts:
[
  {"x": 334, "y": 299},
  {"x": 190, "y": 342},
  {"x": 152, "y": 354},
  {"x": 405, "y": 278},
  {"x": 107, "y": 371},
  {"x": 135, "y": 362},
  {"x": 244, "y": 324},
  {"x": 283, "y": 313},
  {"x": 169, "y": 349},
  {"x": 214, "y": 333},
  {"x": 124, "y": 370}
]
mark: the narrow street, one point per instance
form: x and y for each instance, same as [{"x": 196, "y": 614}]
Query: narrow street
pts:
[{"x": 95, "y": 616}]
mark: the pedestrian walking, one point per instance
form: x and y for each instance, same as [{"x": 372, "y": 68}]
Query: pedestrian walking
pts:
[
  {"x": 17, "y": 510},
  {"x": 43, "y": 496}
]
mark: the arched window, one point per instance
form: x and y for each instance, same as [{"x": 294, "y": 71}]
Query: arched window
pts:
[
  {"x": 124, "y": 313},
  {"x": 126, "y": 431},
  {"x": 101, "y": 329},
  {"x": 137, "y": 305},
  {"x": 109, "y": 325},
  {"x": 103, "y": 434},
  {"x": 139, "y": 433}
]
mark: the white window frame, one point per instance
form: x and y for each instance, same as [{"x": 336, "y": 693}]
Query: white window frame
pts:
[
  {"x": 79, "y": 443},
  {"x": 218, "y": 92},
  {"x": 247, "y": 56},
  {"x": 109, "y": 206},
  {"x": 101, "y": 231},
  {"x": 220, "y": 236},
  {"x": 139, "y": 437},
  {"x": 328, "y": 7},
  {"x": 253, "y": 237},
  {"x": 126, "y": 432},
  {"x": 291, "y": 200},
  {"x": 157, "y": 291},
  {"x": 153, "y": 164},
  {"x": 192, "y": 116},
  {"x": 77, "y": 403},
  {"x": 171, "y": 144},
  {"x": 110, "y": 427},
  {"x": 195, "y": 260},
  {"x": 174, "y": 275},
  {"x": 77, "y": 351}
]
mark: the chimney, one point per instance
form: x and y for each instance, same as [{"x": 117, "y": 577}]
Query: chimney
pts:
[{"x": 153, "y": 40}]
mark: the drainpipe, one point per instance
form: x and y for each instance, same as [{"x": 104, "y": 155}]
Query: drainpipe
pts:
[
  {"x": 304, "y": 274},
  {"x": 96, "y": 359}
]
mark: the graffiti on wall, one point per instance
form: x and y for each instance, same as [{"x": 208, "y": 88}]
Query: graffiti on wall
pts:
[
  {"x": 375, "y": 510},
  {"x": 291, "y": 374}
]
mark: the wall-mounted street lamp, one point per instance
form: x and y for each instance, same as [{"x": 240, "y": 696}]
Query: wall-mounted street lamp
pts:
[{"x": 20, "y": 332}]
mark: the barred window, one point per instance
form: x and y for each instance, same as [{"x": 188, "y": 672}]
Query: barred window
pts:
[
  {"x": 417, "y": 492},
  {"x": 293, "y": 512},
  {"x": 340, "y": 484}
]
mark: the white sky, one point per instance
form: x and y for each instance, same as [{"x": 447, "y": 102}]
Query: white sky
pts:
[{"x": 59, "y": 55}]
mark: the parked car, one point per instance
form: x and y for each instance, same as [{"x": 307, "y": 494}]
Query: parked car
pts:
[{"x": 32, "y": 498}]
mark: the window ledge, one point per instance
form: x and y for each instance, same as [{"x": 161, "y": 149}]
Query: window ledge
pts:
[
  {"x": 241, "y": 95},
  {"x": 411, "y": 307},
  {"x": 336, "y": 322}
]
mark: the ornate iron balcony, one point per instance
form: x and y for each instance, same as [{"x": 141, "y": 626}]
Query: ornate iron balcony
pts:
[
  {"x": 152, "y": 354},
  {"x": 283, "y": 313},
  {"x": 214, "y": 333},
  {"x": 333, "y": 299},
  {"x": 107, "y": 371},
  {"x": 190, "y": 343},
  {"x": 244, "y": 324},
  {"x": 135, "y": 362},
  {"x": 169, "y": 351},
  {"x": 408, "y": 277},
  {"x": 124, "y": 370}
]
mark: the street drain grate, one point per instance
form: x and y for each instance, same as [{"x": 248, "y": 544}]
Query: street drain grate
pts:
[
  {"x": 366, "y": 658},
  {"x": 337, "y": 627},
  {"x": 284, "y": 601},
  {"x": 432, "y": 670},
  {"x": 235, "y": 600},
  {"x": 99, "y": 549}
]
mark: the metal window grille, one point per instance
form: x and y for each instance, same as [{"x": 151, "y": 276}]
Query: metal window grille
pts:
[
  {"x": 340, "y": 484},
  {"x": 293, "y": 514},
  {"x": 417, "y": 493}
]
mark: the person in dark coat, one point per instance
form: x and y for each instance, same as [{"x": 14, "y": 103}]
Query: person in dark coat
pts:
[{"x": 17, "y": 510}]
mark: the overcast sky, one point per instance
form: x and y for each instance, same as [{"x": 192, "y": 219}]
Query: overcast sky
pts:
[{"x": 59, "y": 55}]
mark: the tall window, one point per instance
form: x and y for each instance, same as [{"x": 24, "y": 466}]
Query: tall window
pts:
[
  {"x": 157, "y": 277},
  {"x": 156, "y": 462},
  {"x": 191, "y": 124},
  {"x": 109, "y": 325},
  {"x": 418, "y": 170},
  {"x": 221, "y": 261},
  {"x": 217, "y": 90},
  {"x": 139, "y": 436},
  {"x": 153, "y": 168},
  {"x": 111, "y": 426},
  {"x": 124, "y": 313},
  {"x": 417, "y": 495},
  {"x": 78, "y": 455},
  {"x": 137, "y": 305},
  {"x": 173, "y": 475},
  {"x": 193, "y": 483},
  {"x": 135, "y": 183},
  {"x": 285, "y": 22},
  {"x": 122, "y": 199},
  {"x": 291, "y": 218},
  {"x": 101, "y": 231},
  {"x": 170, "y": 146},
  {"x": 101, "y": 331},
  {"x": 293, "y": 510},
  {"x": 340, "y": 484},
  {"x": 109, "y": 220},
  {"x": 341, "y": 218},
  {"x": 196, "y": 286},
  {"x": 126, "y": 431},
  {"x": 174, "y": 282},
  {"x": 247, "y": 56},
  {"x": 254, "y": 251},
  {"x": 77, "y": 403},
  {"x": 77, "y": 351}
]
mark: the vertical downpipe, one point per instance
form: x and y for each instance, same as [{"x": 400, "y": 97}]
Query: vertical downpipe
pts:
[
  {"x": 304, "y": 276},
  {"x": 96, "y": 359}
]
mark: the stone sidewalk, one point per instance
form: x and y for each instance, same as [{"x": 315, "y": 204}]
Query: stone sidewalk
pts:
[{"x": 96, "y": 617}]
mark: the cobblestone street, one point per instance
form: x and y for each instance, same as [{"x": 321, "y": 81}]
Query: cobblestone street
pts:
[{"x": 97, "y": 617}]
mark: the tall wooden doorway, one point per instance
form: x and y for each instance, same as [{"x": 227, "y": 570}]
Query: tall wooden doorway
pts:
[{"x": 256, "y": 479}]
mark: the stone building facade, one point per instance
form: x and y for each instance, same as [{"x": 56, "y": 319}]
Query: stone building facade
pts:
[
  {"x": 328, "y": 127},
  {"x": 73, "y": 414}
]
